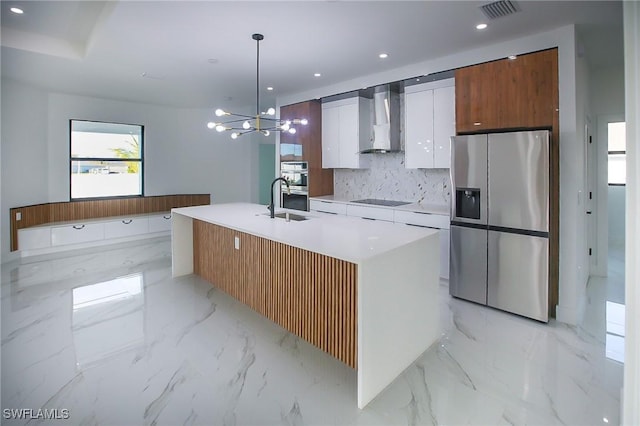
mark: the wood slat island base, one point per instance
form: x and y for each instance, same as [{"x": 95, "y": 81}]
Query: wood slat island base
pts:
[
  {"x": 308, "y": 294},
  {"x": 364, "y": 291}
]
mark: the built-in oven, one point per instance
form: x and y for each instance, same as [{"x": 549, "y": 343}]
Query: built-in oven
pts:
[
  {"x": 295, "y": 200},
  {"x": 297, "y": 174}
]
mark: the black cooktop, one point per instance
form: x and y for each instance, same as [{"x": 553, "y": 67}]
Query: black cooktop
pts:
[{"x": 388, "y": 203}]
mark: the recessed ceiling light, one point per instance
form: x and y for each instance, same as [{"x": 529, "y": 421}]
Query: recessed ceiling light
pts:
[
  {"x": 269, "y": 88},
  {"x": 383, "y": 55},
  {"x": 481, "y": 26},
  {"x": 17, "y": 10},
  {"x": 317, "y": 74}
]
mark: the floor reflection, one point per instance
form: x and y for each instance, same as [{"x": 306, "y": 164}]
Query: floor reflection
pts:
[
  {"x": 615, "y": 331},
  {"x": 615, "y": 308},
  {"x": 108, "y": 318}
]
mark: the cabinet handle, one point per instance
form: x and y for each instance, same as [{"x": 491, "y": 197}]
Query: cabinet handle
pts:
[
  {"x": 167, "y": 217},
  {"x": 422, "y": 226},
  {"x": 78, "y": 226},
  {"x": 126, "y": 222},
  {"x": 368, "y": 218}
]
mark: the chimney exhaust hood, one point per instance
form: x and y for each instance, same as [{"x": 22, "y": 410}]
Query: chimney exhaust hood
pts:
[{"x": 385, "y": 119}]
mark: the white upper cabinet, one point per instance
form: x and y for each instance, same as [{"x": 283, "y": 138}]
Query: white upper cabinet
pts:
[
  {"x": 346, "y": 128},
  {"x": 330, "y": 137},
  {"x": 418, "y": 142},
  {"x": 444, "y": 125},
  {"x": 429, "y": 124}
]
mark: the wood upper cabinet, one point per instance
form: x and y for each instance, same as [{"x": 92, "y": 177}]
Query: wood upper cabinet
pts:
[
  {"x": 508, "y": 93},
  {"x": 306, "y": 145}
]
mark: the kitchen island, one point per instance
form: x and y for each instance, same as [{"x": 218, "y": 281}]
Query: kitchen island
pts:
[{"x": 364, "y": 291}]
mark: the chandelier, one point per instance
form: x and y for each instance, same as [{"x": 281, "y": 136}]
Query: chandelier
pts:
[{"x": 262, "y": 122}]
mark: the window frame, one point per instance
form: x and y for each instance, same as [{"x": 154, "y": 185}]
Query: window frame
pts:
[
  {"x": 615, "y": 153},
  {"x": 72, "y": 159}
]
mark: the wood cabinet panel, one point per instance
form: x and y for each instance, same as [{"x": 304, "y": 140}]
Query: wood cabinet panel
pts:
[
  {"x": 309, "y": 294},
  {"x": 507, "y": 94},
  {"x": 308, "y": 143}
]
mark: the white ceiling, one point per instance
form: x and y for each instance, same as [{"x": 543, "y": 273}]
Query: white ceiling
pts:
[{"x": 103, "y": 49}]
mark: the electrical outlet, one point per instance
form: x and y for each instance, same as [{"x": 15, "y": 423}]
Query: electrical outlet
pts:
[
  {"x": 18, "y": 216},
  {"x": 236, "y": 243}
]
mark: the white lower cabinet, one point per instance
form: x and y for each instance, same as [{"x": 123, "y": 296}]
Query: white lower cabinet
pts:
[
  {"x": 407, "y": 217},
  {"x": 34, "y": 238},
  {"x": 77, "y": 233},
  {"x": 47, "y": 239},
  {"x": 327, "y": 207},
  {"x": 160, "y": 223},
  {"x": 374, "y": 213},
  {"x": 126, "y": 227},
  {"x": 429, "y": 220}
]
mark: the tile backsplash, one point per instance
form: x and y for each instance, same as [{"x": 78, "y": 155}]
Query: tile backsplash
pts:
[{"x": 389, "y": 180}]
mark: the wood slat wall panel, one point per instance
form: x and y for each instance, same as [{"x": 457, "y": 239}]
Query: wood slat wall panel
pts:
[
  {"x": 41, "y": 214},
  {"x": 308, "y": 294}
]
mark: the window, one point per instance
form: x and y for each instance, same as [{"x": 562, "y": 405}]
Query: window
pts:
[
  {"x": 105, "y": 160},
  {"x": 617, "y": 153}
]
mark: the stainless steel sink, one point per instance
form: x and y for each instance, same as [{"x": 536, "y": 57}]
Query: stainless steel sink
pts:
[{"x": 292, "y": 216}]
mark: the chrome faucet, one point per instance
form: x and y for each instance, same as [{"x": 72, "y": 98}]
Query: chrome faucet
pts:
[{"x": 271, "y": 206}]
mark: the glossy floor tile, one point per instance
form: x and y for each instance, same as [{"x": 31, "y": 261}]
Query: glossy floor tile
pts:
[{"x": 108, "y": 337}]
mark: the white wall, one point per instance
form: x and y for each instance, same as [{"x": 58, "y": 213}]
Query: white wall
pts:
[
  {"x": 607, "y": 91},
  {"x": 607, "y": 104},
  {"x": 181, "y": 154},
  {"x": 631, "y": 396},
  {"x": 572, "y": 185},
  {"x": 580, "y": 169}
]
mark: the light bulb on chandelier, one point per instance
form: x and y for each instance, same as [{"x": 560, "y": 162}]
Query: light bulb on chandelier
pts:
[{"x": 262, "y": 122}]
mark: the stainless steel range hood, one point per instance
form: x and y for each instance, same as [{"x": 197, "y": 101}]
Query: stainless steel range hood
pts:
[{"x": 385, "y": 119}]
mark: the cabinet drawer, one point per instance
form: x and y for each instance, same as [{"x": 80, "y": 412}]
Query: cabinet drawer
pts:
[
  {"x": 370, "y": 212},
  {"x": 160, "y": 223},
  {"x": 78, "y": 233},
  {"x": 327, "y": 207},
  {"x": 438, "y": 221},
  {"x": 126, "y": 227},
  {"x": 34, "y": 238}
]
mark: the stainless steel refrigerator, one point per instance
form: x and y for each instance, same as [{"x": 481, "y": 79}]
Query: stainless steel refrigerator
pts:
[{"x": 500, "y": 221}]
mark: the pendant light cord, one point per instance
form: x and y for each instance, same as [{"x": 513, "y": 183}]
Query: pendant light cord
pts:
[{"x": 257, "y": 77}]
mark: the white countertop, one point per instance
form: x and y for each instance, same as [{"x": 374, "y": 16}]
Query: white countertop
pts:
[
  {"x": 442, "y": 209},
  {"x": 346, "y": 238}
]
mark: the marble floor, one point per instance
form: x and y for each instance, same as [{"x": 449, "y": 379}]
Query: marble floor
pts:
[{"x": 108, "y": 337}]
